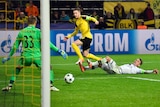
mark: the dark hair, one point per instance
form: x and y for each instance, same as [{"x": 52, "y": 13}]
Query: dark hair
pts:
[
  {"x": 141, "y": 61},
  {"x": 78, "y": 9},
  {"x": 32, "y": 19},
  {"x": 131, "y": 10}
]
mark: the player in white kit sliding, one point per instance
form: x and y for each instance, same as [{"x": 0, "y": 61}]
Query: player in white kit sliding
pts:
[{"x": 110, "y": 66}]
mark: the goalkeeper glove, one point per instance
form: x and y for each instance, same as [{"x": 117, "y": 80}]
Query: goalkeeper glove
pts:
[
  {"x": 63, "y": 53},
  {"x": 5, "y": 59}
]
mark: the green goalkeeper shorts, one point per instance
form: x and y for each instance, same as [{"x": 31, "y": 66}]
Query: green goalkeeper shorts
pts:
[{"x": 27, "y": 61}]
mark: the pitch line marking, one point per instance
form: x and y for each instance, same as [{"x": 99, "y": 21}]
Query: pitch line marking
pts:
[
  {"x": 77, "y": 78},
  {"x": 90, "y": 78},
  {"x": 145, "y": 79}
]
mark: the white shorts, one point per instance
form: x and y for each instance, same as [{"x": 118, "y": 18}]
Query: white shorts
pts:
[{"x": 111, "y": 67}]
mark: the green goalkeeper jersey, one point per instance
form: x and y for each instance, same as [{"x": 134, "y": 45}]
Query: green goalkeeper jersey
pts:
[{"x": 30, "y": 37}]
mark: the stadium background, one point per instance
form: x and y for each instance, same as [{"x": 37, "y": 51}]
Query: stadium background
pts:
[
  {"x": 92, "y": 88},
  {"x": 88, "y": 7},
  {"x": 120, "y": 37}
]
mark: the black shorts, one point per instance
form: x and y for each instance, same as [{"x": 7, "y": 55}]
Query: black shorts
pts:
[{"x": 86, "y": 43}]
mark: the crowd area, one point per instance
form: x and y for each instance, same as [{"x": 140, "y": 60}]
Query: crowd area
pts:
[{"x": 32, "y": 8}]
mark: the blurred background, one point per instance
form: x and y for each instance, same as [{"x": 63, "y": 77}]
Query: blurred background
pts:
[{"x": 110, "y": 13}]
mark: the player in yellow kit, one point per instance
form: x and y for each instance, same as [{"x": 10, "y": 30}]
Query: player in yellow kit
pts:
[{"x": 82, "y": 25}]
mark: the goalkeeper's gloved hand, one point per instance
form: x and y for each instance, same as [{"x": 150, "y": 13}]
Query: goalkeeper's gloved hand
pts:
[
  {"x": 5, "y": 59},
  {"x": 63, "y": 53}
]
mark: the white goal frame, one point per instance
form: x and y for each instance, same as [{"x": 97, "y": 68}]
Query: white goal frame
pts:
[{"x": 45, "y": 40}]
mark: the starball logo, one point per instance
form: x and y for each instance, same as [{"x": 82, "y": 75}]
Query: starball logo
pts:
[{"x": 151, "y": 45}]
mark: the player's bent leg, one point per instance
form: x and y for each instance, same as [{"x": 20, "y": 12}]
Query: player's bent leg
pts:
[
  {"x": 76, "y": 49},
  {"x": 106, "y": 68},
  {"x": 114, "y": 67},
  {"x": 92, "y": 56},
  {"x": 108, "y": 59},
  {"x": 37, "y": 62},
  {"x": 93, "y": 65},
  {"x": 90, "y": 64},
  {"x": 111, "y": 64},
  {"x": 81, "y": 67},
  {"x": 52, "y": 88},
  {"x": 99, "y": 63},
  {"x": 51, "y": 76},
  {"x": 13, "y": 78},
  {"x": 79, "y": 61}
]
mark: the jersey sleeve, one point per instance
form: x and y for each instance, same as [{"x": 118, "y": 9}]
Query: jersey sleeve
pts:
[
  {"x": 89, "y": 18},
  {"x": 148, "y": 71},
  {"x": 142, "y": 71},
  {"x": 74, "y": 33},
  {"x": 53, "y": 47},
  {"x": 16, "y": 44}
]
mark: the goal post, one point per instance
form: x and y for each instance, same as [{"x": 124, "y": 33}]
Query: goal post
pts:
[{"x": 45, "y": 40}]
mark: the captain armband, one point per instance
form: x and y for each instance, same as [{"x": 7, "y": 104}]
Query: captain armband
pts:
[
  {"x": 142, "y": 71},
  {"x": 87, "y": 17}
]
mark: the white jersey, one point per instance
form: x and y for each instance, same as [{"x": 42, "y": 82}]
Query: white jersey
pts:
[
  {"x": 130, "y": 69},
  {"x": 111, "y": 68}
]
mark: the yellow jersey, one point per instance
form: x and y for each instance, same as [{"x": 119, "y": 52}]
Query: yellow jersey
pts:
[
  {"x": 82, "y": 25},
  {"x": 22, "y": 20}
]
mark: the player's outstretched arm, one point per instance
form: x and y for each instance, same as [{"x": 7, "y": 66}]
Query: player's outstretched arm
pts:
[
  {"x": 155, "y": 71},
  {"x": 72, "y": 34},
  {"x": 61, "y": 52},
  {"x": 13, "y": 49},
  {"x": 5, "y": 59},
  {"x": 89, "y": 18},
  {"x": 11, "y": 53},
  {"x": 53, "y": 47},
  {"x": 65, "y": 38}
]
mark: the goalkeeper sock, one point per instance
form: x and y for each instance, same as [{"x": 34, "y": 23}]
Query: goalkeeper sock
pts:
[
  {"x": 77, "y": 50},
  {"x": 11, "y": 82},
  {"x": 13, "y": 77},
  {"x": 91, "y": 56},
  {"x": 51, "y": 76}
]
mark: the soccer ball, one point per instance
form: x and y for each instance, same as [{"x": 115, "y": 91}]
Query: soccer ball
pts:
[{"x": 68, "y": 78}]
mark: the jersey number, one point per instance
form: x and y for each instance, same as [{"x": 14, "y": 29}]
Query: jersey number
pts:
[{"x": 29, "y": 42}]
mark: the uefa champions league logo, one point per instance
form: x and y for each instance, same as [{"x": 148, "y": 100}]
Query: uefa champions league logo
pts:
[
  {"x": 6, "y": 45},
  {"x": 151, "y": 45}
]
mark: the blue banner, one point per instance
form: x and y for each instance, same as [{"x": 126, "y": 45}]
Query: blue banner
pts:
[{"x": 104, "y": 41}]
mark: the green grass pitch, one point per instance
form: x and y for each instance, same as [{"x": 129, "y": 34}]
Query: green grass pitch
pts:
[{"x": 93, "y": 88}]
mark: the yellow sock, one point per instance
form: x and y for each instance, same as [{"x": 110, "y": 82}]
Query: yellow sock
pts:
[
  {"x": 77, "y": 50},
  {"x": 91, "y": 56}
]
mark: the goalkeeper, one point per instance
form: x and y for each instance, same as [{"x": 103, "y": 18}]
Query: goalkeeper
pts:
[
  {"x": 110, "y": 66},
  {"x": 30, "y": 37}
]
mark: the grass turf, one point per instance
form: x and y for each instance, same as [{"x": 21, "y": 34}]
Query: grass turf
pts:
[{"x": 93, "y": 88}]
